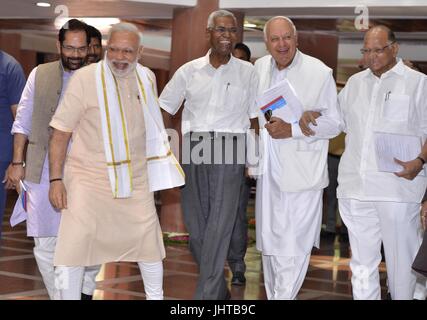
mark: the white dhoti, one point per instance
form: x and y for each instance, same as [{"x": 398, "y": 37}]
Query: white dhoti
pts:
[
  {"x": 287, "y": 227},
  {"x": 397, "y": 226}
]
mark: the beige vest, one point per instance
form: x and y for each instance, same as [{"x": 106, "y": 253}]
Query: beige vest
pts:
[{"x": 47, "y": 91}]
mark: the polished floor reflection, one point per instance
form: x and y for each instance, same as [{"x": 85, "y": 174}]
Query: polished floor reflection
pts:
[{"x": 328, "y": 276}]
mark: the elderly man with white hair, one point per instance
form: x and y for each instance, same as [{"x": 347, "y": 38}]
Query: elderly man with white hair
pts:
[
  {"x": 119, "y": 156},
  {"x": 289, "y": 193},
  {"x": 219, "y": 92}
]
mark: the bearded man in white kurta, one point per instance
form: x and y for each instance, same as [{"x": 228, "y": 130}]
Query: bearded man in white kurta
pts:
[
  {"x": 119, "y": 156},
  {"x": 289, "y": 192}
]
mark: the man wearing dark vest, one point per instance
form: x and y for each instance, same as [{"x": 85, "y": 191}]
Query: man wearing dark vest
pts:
[{"x": 40, "y": 98}]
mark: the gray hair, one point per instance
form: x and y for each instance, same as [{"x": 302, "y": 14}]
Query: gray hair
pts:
[
  {"x": 275, "y": 18},
  {"x": 218, "y": 14},
  {"x": 125, "y": 26}
]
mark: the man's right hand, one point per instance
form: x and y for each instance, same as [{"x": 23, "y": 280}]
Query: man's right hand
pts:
[
  {"x": 307, "y": 118},
  {"x": 58, "y": 195},
  {"x": 13, "y": 175}
]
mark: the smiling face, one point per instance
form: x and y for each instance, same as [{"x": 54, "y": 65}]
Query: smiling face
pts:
[
  {"x": 95, "y": 50},
  {"x": 385, "y": 57},
  {"x": 281, "y": 42},
  {"x": 73, "y": 50},
  {"x": 223, "y": 36},
  {"x": 123, "y": 52}
]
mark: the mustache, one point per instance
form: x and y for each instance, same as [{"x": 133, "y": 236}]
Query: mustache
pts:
[
  {"x": 119, "y": 61},
  {"x": 75, "y": 59}
]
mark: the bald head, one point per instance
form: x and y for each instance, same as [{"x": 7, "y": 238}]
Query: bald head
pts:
[
  {"x": 284, "y": 19},
  {"x": 281, "y": 40},
  {"x": 382, "y": 30}
]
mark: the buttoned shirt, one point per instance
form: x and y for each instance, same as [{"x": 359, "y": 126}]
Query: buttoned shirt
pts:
[
  {"x": 216, "y": 99},
  {"x": 395, "y": 103}
]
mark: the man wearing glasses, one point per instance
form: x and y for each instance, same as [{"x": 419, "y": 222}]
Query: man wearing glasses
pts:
[
  {"x": 219, "y": 92},
  {"x": 379, "y": 206},
  {"x": 40, "y": 98}
]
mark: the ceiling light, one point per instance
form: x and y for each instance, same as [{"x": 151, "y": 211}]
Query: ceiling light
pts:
[
  {"x": 43, "y": 4},
  {"x": 103, "y": 24},
  {"x": 249, "y": 25}
]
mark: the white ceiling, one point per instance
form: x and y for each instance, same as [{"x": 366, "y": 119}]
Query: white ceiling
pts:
[{"x": 163, "y": 9}]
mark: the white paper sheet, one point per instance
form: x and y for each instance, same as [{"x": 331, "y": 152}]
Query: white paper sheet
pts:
[
  {"x": 389, "y": 146},
  {"x": 291, "y": 111}
]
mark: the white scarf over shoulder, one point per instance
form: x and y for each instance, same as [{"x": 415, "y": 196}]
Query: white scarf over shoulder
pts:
[{"x": 164, "y": 171}]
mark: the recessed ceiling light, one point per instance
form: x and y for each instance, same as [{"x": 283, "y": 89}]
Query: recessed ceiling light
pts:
[
  {"x": 43, "y": 4},
  {"x": 249, "y": 25}
]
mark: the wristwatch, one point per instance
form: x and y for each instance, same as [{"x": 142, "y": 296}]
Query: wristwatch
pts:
[{"x": 22, "y": 163}]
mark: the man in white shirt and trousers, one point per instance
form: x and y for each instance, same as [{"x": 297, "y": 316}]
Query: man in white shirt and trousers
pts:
[
  {"x": 219, "y": 92},
  {"x": 376, "y": 206},
  {"x": 289, "y": 192}
]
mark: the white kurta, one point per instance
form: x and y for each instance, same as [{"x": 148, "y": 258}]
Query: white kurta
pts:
[
  {"x": 365, "y": 110},
  {"x": 42, "y": 219},
  {"x": 289, "y": 193}
]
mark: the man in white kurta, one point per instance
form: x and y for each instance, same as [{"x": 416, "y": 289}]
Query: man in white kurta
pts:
[
  {"x": 41, "y": 218},
  {"x": 289, "y": 191},
  {"x": 380, "y": 206}
]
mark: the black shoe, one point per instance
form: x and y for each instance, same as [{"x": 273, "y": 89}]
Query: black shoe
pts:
[
  {"x": 86, "y": 297},
  {"x": 238, "y": 279},
  {"x": 344, "y": 238}
]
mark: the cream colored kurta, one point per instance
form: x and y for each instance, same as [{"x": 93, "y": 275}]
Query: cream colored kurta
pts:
[{"x": 96, "y": 228}]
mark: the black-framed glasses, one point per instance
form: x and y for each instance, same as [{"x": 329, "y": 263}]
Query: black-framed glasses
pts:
[
  {"x": 376, "y": 51},
  {"x": 71, "y": 49},
  {"x": 222, "y": 30}
]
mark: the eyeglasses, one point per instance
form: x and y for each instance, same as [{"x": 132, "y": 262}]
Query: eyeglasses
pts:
[
  {"x": 376, "y": 51},
  {"x": 126, "y": 52},
  {"x": 71, "y": 49},
  {"x": 223, "y": 30}
]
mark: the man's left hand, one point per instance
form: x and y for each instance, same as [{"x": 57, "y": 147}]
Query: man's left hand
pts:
[
  {"x": 410, "y": 168},
  {"x": 307, "y": 118},
  {"x": 279, "y": 129}
]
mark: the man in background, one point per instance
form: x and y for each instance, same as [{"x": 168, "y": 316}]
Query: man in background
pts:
[
  {"x": 12, "y": 82},
  {"x": 95, "y": 45}
]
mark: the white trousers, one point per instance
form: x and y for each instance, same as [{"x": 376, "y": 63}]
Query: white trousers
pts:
[
  {"x": 69, "y": 280},
  {"x": 44, "y": 251},
  {"x": 284, "y": 276},
  {"x": 397, "y": 226}
]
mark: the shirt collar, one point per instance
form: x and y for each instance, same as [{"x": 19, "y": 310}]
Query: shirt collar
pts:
[
  {"x": 291, "y": 66},
  {"x": 65, "y": 73},
  {"x": 206, "y": 61},
  {"x": 399, "y": 69}
]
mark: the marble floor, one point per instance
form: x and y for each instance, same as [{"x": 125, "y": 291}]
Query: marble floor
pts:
[{"x": 328, "y": 276}]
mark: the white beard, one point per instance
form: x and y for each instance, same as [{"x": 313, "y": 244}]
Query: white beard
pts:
[{"x": 121, "y": 73}]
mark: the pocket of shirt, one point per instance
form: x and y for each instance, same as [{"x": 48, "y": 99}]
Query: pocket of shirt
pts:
[
  {"x": 396, "y": 107},
  {"x": 232, "y": 101}
]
